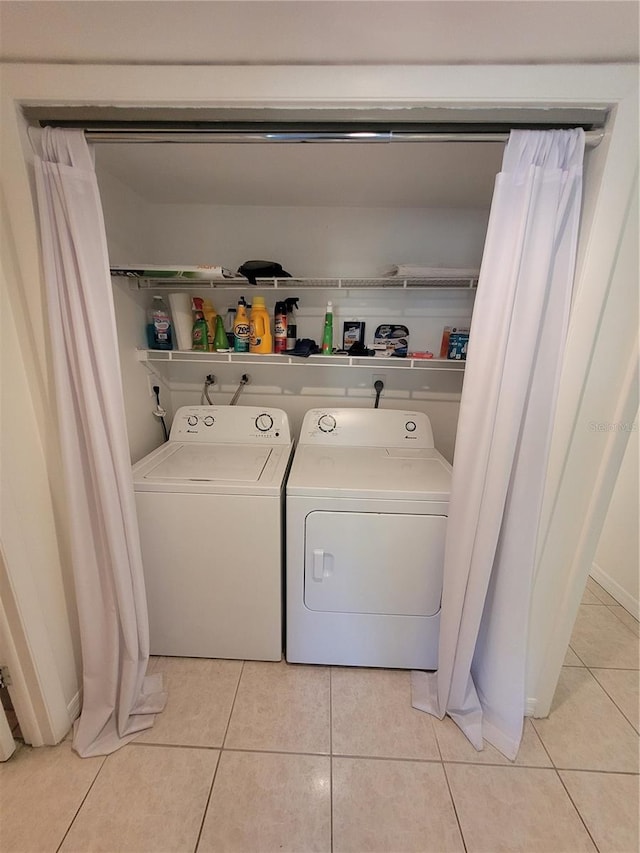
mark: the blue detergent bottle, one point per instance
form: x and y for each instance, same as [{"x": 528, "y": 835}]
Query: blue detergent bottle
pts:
[{"x": 159, "y": 331}]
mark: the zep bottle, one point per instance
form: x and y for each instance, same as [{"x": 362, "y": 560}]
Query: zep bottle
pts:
[
  {"x": 260, "y": 339},
  {"x": 241, "y": 328}
]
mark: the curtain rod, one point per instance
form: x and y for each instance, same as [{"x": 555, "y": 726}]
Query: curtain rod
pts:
[{"x": 592, "y": 137}]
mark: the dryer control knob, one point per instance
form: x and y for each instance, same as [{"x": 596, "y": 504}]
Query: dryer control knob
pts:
[
  {"x": 192, "y": 420},
  {"x": 327, "y": 423},
  {"x": 410, "y": 426},
  {"x": 264, "y": 422},
  {"x": 208, "y": 421}
]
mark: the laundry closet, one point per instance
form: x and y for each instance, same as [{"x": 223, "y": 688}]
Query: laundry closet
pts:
[{"x": 338, "y": 216}]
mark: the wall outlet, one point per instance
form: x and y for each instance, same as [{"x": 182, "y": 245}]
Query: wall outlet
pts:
[
  {"x": 381, "y": 376},
  {"x": 151, "y": 381}
]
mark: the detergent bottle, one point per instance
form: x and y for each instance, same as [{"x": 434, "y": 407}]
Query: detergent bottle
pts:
[
  {"x": 159, "y": 325},
  {"x": 241, "y": 328},
  {"x": 260, "y": 339}
]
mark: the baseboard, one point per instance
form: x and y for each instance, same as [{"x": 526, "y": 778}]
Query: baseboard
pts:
[
  {"x": 530, "y": 706},
  {"x": 615, "y": 590}
]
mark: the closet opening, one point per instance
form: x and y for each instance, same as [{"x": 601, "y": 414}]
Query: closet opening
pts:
[{"x": 339, "y": 203}]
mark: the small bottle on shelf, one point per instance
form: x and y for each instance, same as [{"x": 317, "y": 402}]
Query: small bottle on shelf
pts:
[
  {"x": 280, "y": 327},
  {"x": 220, "y": 340},
  {"x": 292, "y": 324},
  {"x": 199, "y": 332},
  {"x": 159, "y": 332},
  {"x": 230, "y": 326},
  {"x": 327, "y": 334}
]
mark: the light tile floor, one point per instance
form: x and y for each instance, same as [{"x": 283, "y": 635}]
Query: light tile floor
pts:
[{"x": 271, "y": 757}]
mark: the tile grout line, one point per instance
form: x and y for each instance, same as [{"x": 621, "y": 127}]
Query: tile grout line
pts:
[
  {"x": 206, "y": 805},
  {"x": 84, "y": 799},
  {"x": 233, "y": 705},
  {"x": 582, "y": 820},
  {"x": 453, "y": 803},
  {"x": 612, "y": 609},
  {"x": 217, "y": 767},
  {"x": 633, "y": 726},
  {"x": 542, "y": 743}
]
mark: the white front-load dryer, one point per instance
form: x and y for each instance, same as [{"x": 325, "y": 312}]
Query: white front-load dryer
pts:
[
  {"x": 367, "y": 503},
  {"x": 210, "y": 505}
]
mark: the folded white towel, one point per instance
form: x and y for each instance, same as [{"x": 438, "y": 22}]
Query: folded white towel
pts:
[{"x": 416, "y": 271}]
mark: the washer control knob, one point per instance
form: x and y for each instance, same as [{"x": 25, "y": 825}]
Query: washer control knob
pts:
[
  {"x": 208, "y": 421},
  {"x": 192, "y": 420},
  {"x": 327, "y": 423},
  {"x": 264, "y": 422},
  {"x": 410, "y": 426}
]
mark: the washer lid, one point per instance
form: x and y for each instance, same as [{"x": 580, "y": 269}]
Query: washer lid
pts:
[
  {"x": 370, "y": 472},
  {"x": 210, "y": 462}
]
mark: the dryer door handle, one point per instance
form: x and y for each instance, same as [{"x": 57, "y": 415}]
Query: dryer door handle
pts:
[{"x": 322, "y": 564}]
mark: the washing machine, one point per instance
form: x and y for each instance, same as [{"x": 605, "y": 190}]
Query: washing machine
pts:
[
  {"x": 210, "y": 504},
  {"x": 367, "y": 501}
]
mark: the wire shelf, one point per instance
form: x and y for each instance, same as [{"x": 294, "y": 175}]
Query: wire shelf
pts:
[{"x": 390, "y": 282}]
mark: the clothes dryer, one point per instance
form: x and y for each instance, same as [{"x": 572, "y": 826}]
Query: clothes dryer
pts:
[
  {"x": 367, "y": 504},
  {"x": 210, "y": 505}
]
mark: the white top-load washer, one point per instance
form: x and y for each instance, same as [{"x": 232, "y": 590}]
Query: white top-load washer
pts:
[
  {"x": 210, "y": 505},
  {"x": 367, "y": 503}
]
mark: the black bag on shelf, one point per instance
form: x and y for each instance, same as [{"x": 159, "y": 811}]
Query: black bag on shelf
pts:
[{"x": 262, "y": 269}]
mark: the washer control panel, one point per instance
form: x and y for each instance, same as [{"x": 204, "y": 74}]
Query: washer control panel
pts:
[
  {"x": 231, "y": 425},
  {"x": 367, "y": 428}
]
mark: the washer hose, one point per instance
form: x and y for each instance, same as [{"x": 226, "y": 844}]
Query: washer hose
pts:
[{"x": 160, "y": 412}]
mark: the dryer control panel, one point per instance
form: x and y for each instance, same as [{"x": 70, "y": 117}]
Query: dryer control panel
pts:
[
  {"x": 366, "y": 428},
  {"x": 231, "y": 425}
]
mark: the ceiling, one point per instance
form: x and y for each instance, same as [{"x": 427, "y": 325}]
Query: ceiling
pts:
[{"x": 328, "y": 32}]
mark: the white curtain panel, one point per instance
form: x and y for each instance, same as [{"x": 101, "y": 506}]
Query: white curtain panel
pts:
[
  {"x": 507, "y": 409},
  {"x": 118, "y": 699}
]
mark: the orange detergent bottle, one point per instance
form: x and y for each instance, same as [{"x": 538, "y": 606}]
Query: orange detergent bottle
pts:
[{"x": 260, "y": 338}]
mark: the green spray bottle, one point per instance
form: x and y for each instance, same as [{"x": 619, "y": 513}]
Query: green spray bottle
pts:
[{"x": 327, "y": 334}]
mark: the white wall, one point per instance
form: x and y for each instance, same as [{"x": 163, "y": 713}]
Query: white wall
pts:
[
  {"x": 308, "y": 241},
  {"x": 617, "y": 563},
  {"x": 319, "y": 241},
  {"x": 128, "y": 223}
]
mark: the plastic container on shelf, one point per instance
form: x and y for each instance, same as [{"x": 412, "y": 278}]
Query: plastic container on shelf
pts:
[
  {"x": 199, "y": 332},
  {"x": 210, "y": 316},
  {"x": 159, "y": 331},
  {"x": 241, "y": 328},
  {"x": 292, "y": 323},
  {"x": 327, "y": 333},
  {"x": 280, "y": 327},
  {"x": 220, "y": 340},
  {"x": 260, "y": 338},
  {"x": 229, "y": 325}
]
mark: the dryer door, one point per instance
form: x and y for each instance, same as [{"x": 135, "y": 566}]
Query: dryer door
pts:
[{"x": 361, "y": 562}]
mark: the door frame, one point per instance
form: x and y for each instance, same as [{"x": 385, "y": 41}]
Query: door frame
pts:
[{"x": 479, "y": 87}]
